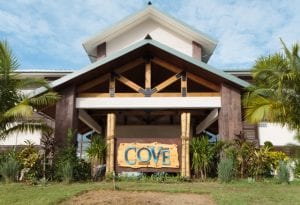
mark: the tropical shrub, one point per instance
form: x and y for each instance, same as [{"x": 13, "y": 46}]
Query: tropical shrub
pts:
[
  {"x": 96, "y": 152},
  {"x": 241, "y": 152},
  {"x": 67, "y": 166},
  {"x": 29, "y": 155},
  {"x": 97, "y": 149},
  {"x": 226, "y": 170},
  {"x": 204, "y": 154},
  {"x": 81, "y": 170},
  {"x": 65, "y": 155},
  {"x": 67, "y": 172},
  {"x": 9, "y": 169},
  {"x": 283, "y": 173}
]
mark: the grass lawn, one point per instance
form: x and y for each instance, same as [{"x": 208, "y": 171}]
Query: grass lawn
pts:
[{"x": 233, "y": 193}]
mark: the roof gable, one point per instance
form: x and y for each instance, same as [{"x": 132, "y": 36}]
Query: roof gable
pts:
[
  {"x": 200, "y": 65},
  {"x": 151, "y": 13}
]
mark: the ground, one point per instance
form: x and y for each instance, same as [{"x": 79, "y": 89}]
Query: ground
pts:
[
  {"x": 143, "y": 192},
  {"x": 139, "y": 198}
]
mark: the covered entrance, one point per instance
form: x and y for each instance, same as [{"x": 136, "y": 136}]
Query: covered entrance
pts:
[{"x": 148, "y": 100}]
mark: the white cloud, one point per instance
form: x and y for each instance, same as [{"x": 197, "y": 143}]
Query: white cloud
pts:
[{"x": 50, "y": 33}]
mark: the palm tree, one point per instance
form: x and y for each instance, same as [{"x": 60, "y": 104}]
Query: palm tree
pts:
[
  {"x": 17, "y": 109},
  {"x": 275, "y": 93}
]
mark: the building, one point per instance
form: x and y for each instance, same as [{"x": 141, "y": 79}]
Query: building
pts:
[{"x": 149, "y": 90}]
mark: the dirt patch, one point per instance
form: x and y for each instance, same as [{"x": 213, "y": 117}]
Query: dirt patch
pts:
[{"x": 135, "y": 198}]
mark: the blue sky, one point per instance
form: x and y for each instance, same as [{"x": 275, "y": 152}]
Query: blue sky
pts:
[{"x": 48, "y": 34}]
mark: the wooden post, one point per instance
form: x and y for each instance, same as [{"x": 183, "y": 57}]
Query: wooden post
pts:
[
  {"x": 112, "y": 85},
  {"x": 187, "y": 144},
  {"x": 185, "y": 138},
  {"x": 112, "y": 141},
  {"x": 230, "y": 117},
  {"x": 66, "y": 116},
  {"x": 108, "y": 129},
  {"x": 110, "y": 135},
  {"x": 183, "y": 152},
  {"x": 183, "y": 85},
  {"x": 148, "y": 75}
]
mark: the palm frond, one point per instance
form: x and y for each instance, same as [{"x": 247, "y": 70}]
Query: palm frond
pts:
[
  {"x": 27, "y": 126},
  {"x": 33, "y": 82},
  {"x": 8, "y": 62},
  {"x": 20, "y": 112},
  {"x": 45, "y": 100}
]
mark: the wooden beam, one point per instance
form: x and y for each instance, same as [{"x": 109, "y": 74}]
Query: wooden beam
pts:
[
  {"x": 89, "y": 121},
  {"x": 105, "y": 77},
  {"x": 148, "y": 75},
  {"x": 130, "y": 84},
  {"x": 209, "y": 120},
  {"x": 94, "y": 82},
  {"x": 166, "y": 83},
  {"x": 203, "y": 82},
  {"x": 166, "y": 65},
  {"x": 183, "y": 85},
  {"x": 148, "y": 103},
  {"x": 191, "y": 94},
  {"x": 191, "y": 76},
  {"x": 112, "y": 85}
]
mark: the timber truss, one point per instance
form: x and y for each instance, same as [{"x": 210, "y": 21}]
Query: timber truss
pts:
[{"x": 178, "y": 74}]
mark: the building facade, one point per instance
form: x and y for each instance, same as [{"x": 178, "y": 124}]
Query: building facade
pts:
[{"x": 149, "y": 90}]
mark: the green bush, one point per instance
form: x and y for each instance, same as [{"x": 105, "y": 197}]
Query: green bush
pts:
[
  {"x": 67, "y": 167},
  {"x": 82, "y": 170},
  {"x": 204, "y": 155},
  {"x": 226, "y": 170},
  {"x": 67, "y": 172},
  {"x": 9, "y": 169},
  {"x": 283, "y": 172}
]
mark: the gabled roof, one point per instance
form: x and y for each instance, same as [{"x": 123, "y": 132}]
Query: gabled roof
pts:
[
  {"x": 150, "y": 12},
  {"x": 234, "y": 80}
]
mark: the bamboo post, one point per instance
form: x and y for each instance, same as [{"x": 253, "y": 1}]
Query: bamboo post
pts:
[
  {"x": 112, "y": 140},
  {"x": 187, "y": 150},
  {"x": 108, "y": 129},
  {"x": 183, "y": 134}
]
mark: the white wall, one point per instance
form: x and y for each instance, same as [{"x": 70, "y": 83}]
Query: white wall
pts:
[
  {"x": 18, "y": 138},
  {"x": 157, "y": 32},
  {"x": 278, "y": 135}
]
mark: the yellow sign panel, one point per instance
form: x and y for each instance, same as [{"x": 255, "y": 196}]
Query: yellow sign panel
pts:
[{"x": 152, "y": 155}]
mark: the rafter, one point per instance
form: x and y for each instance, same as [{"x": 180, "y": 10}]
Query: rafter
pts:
[
  {"x": 203, "y": 82},
  {"x": 89, "y": 121},
  {"x": 105, "y": 77},
  {"x": 191, "y": 76},
  {"x": 130, "y": 83},
  {"x": 209, "y": 120},
  {"x": 166, "y": 83}
]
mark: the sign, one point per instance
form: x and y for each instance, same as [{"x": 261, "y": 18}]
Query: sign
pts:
[{"x": 152, "y": 155}]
